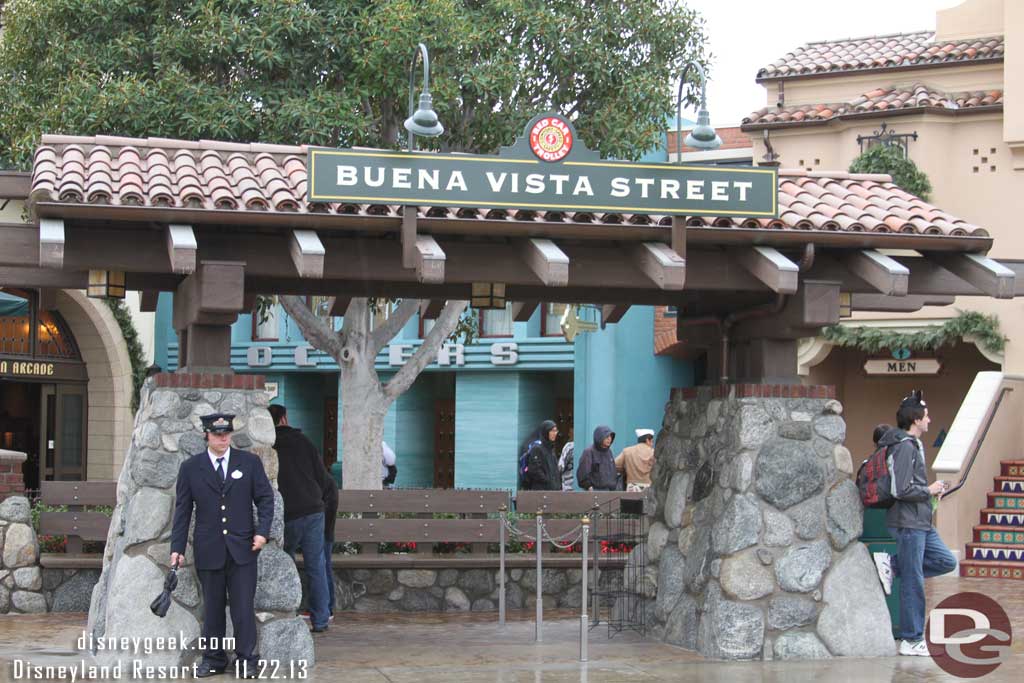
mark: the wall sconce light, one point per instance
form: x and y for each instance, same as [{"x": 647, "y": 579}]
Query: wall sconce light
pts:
[
  {"x": 106, "y": 284},
  {"x": 488, "y": 295}
]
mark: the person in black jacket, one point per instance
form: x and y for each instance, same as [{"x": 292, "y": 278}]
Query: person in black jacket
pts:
[
  {"x": 541, "y": 464},
  {"x": 221, "y": 484},
  {"x": 597, "y": 465},
  {"x": 302, "y": 481}
]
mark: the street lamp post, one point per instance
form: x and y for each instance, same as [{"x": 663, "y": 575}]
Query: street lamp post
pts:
[
  {"x": 703, "y": 136},
  {"x": 423, "y": 121}
]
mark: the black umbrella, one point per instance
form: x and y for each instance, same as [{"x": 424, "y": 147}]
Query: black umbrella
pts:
[{"x": 162, "y": 603}]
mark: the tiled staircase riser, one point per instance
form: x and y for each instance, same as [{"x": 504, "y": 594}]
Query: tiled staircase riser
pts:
[{"x": 998, "y": 548}]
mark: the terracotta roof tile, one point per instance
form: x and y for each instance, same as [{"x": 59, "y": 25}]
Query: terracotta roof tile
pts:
[
  {"x": 888, "y": 100},
  {"x": 272, "y": 178},
  {"x": 880, "y": 52}
]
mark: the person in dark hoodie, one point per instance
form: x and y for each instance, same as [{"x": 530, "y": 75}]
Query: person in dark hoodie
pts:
[
  {"x": 596, "y": 471},
  {"x": 541, "y": 464},
  {"x": 302, "y": 481},
  {"x": 920, "y": 553}
]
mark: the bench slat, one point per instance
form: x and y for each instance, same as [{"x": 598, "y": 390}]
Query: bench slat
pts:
[
  {"x": 89, "y": 526},
  {"x": 427, "y": 500},
  {"x": 78, "y": 492},
  {"x": 571, "y": 502},
  {"x": 417, "y": 530}
]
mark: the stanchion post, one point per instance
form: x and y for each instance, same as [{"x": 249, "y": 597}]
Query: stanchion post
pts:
[
  {"x": 596, "y": 517},
  {"x": 501, "y": 566},
  {"x": 584, "y": 619},
  {"x": 539, "y": 624}
]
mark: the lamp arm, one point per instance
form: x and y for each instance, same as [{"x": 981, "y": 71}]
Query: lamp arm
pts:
[
  {"x": 679, "y": 103},
  {"x": 420, "y": 49}
]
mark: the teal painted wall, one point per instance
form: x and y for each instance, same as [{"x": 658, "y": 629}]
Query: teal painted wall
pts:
[
  {"x": 487, "y": 429},
  {"x": 620, "y": 382},
  {"x": 303, "y": 396},
  {"x": 413, "y": 442}
]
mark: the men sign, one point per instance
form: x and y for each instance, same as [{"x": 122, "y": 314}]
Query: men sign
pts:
[{"x": 548, "y": 169}]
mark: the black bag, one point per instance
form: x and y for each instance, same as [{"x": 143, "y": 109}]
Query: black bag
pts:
[
  {"x": 162, "y": 602},
  {"x": 392, "y": 475}
]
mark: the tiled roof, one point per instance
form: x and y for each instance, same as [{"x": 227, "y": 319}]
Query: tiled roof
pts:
[
  {"x": 264, "y": 179},
  {"x": 732, "y": 138},
  {"x": 880, "y": 52},
  {"x": 880, "y": 100}
]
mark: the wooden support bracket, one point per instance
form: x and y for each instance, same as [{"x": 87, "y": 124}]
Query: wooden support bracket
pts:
[
  {"x": 663, "y": 266},
  {"x": 51, "y": 242},
  {"x": 885, "y": 274},
  {"x": 181, "y": 248},
  {"x": 308, "y": 253},
  {"x": 770, "y": 267}
]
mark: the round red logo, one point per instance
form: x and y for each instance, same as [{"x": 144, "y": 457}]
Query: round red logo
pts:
[
  {"x": 551, "y": 139},
  {"x": 969, "y": 635}
]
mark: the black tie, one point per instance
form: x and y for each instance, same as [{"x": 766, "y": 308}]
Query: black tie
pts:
[{"x": 220, "y": 468}]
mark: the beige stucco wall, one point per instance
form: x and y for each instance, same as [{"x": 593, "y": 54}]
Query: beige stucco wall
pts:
[{"x": 971, "y": 19}]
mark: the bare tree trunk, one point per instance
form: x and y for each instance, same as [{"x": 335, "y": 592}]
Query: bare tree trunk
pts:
[{"x": 364, "y": 400}]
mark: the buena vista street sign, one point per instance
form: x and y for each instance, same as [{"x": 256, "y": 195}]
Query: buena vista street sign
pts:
[{"x": 547, "y": 169}]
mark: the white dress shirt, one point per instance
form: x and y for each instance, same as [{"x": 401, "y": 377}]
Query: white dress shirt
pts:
[{"x": 213, "y": 460}]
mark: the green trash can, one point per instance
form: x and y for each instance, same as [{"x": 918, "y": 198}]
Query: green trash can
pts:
[{"x": 876, "y": 537}]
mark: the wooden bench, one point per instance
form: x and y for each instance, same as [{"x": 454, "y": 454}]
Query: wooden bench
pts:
[{"x": 77, "y": 524}]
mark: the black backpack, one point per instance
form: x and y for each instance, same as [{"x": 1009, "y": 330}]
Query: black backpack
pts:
[{"x": 392, "y": 475}]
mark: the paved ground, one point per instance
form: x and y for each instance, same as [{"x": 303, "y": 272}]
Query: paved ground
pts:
[{"x": 471, "y": 648}]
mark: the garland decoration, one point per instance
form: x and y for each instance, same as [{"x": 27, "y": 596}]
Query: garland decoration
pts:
[
  {"x": 984, "y": 328},
  {"x": 131, "y": 339}
]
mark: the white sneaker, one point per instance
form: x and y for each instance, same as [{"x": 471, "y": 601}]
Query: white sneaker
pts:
[
  {"x": 883, "y": 563},
  {"x": 918, "y": 649}
]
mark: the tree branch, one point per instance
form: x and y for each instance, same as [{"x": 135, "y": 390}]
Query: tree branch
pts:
[
  {"x": 393, "y": 325},
  {"x": 314, "y": 329},
  {"x": 407, "y": 374}
]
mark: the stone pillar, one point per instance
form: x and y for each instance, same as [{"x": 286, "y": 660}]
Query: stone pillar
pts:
[
  {"x": 21, "y": 581},
  {"x": 167, "y": 431},
  {"x": 12, "y": 482},
  {"x": 755, "y": 534}
]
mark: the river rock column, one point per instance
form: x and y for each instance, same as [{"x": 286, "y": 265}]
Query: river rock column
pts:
[
  {"x": 756, "y": 528},
  {"x": 167, "y": 431}
]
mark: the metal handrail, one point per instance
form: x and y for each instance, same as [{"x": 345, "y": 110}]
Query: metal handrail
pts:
[{"x": 977, "y": 446}]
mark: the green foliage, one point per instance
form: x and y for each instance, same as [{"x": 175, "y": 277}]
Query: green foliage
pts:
[
  {"x": 131, "y": 339},
  {"x": 983, "y": 327},
  {"x": 889, "y": 159},
  {"x": 332, "y": 73}
]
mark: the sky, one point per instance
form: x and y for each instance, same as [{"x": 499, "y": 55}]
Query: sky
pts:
[{"x": 745, "y": 35}]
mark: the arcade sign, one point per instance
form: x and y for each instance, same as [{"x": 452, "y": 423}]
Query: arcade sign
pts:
[{"x": 548, "y": 169}]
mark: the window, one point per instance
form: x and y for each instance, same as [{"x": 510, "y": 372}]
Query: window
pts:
[
  {"x": 496, "y": 322},
  {"x": 551, "y": 320},
  {"x": 265, "y": 330}
]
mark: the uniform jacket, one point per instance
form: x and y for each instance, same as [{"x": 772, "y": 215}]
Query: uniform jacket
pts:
[
  {"x": 223, "y": 513},
  {"x": 913, "y": 507}
]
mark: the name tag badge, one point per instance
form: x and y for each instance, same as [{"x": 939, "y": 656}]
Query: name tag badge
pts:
[{"x": 237, "y": 474}]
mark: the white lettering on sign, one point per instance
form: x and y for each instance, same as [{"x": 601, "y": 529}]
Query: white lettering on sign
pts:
[
  {"x": 444, "y": 356},
  {"x": 396, "y": 354},
  {"x": 504, "y": 353},
  {"x": 915, "y": 366},
  {"x": 258, "y": 356},
  {"x": 302, "y": 359}
]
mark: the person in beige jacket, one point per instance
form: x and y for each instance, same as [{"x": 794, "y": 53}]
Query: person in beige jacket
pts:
[{"x": 638, "y": 461}]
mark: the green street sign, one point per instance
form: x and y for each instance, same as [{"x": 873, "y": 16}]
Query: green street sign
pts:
[{"x": 548, "y": 169}]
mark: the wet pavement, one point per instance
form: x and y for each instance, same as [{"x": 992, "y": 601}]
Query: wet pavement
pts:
[{"x": 470, "y": 647}]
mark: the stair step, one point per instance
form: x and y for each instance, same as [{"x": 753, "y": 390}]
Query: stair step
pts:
[
  {"x": 985, "y": 569},
  {"x": 1002, "y": 517},
  {"x": 995, "y": 552},
  {"x": 990, "y": 533},
  {"x": 1012, "y": 468},
  {"x": 1009, "y": 484},
  {"x": 1006, "y": 501}
]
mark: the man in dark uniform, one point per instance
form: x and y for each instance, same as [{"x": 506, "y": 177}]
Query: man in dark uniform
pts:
[{"x": 223, "y": 483}]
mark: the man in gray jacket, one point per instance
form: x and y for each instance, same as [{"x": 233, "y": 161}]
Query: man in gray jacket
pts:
[{"x": 920, "y": 553}]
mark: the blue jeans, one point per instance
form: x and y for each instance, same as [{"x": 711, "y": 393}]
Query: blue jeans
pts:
[
  {"x": 307, "y": 534},
  {"x": 328, "y": 547},
  {"x": 919, "y": 555}
]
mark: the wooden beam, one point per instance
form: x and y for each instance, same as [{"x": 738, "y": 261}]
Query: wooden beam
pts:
[
  {"x": 47, "y": 298},
  {"x": 679, "y": 235},
  {"x": 522, "y": 311},
  {"x": 814, "y": 305},
  {"x": 612, "y": 313},
  {"x": 44, "y": 277},
  {"x": 148, "y": 301},
  {"x": 897, "y": 304},
  {"x": 181, "y": 248},
  {"x": 51, "y": 242},
  {"x": 664, "y": 267},
  {"x": 988, "y": 275},
  {"x": 888, "y": 276},
  {"x": 249, "y": 301},
  {"x": 409, "y": 258},
  {"x": 430, "y": 260},
  {"x": 340, "y": 306},
  {"x": 770, "y": 267},
  {"x": 213, "y": 294},
  {"x": 307, "y": 253},
  {"x": 547, "y": 261},
  {"x": 431, "y": 308},
  {"x": 20, "y": 244}
]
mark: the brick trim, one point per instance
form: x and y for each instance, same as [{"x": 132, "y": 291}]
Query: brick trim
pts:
[
  {"x": 722, "y": 391},
  {"x": 189, "y": 380}
]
